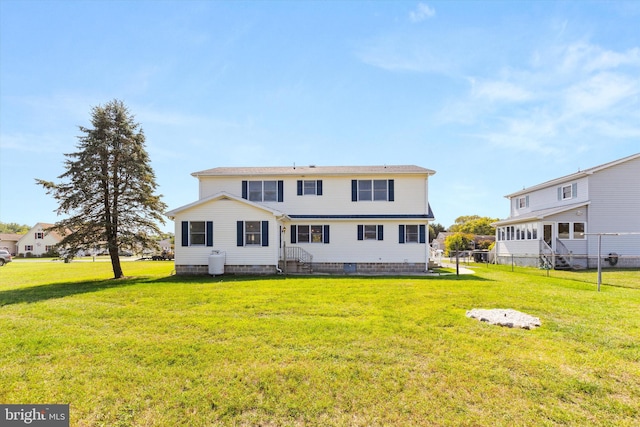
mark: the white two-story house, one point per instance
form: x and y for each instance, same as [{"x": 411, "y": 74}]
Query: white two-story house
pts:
[
  {"x": 333, "y": 219},
  {"x": 38, "y": 241},
  {"x": 559, "y": 223}
]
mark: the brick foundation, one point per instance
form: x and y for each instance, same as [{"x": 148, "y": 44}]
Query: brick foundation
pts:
[
  {"x": 325, "y": 267},
  {"x": 369, "y": 267},
  {"x": 228, "y": 269}
]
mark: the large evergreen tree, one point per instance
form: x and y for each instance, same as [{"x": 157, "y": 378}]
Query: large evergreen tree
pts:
[{"x": 108, "y": 187}]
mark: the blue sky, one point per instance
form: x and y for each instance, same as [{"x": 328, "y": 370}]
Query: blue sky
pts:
[{"x": 493, "y": 96}]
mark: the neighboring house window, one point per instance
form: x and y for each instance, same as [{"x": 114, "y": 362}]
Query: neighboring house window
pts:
[
  {"x": 412, "y": 233},
  {"x": 523, "y": 202},
  {"x": 372, "y": 189},
  {"x": 309, "y": 234},
  {"x": 309, "y": 187},
  {"x": 370, "y": 232},
  {"x": 28, "y": 248},
  {"x": 263, "y": 191},
  {"x": 563, "y": 230},
  {"x": 197, "y": 233},
  {"x": 40, "y": 235},
  {"x": 253, "y": 233},
  {"x": 571, "y": 230},
  {"x": 568, "y": 191}
]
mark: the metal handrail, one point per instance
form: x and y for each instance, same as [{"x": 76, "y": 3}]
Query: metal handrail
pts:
[{"x": 296, "y": 253}]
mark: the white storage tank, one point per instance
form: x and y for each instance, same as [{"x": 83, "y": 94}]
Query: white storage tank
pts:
[{"x": 216, "y": 262}]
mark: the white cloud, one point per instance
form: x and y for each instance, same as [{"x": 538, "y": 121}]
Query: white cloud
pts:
[
  {"x": 572, "y": 94},
  {"x": 600, "y": 93},
  {"x": 499, "y": 91},
  {"x": 422, "y": 12}
]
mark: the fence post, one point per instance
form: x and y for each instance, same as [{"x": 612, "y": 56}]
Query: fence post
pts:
[{"x": 512, "y": 263}]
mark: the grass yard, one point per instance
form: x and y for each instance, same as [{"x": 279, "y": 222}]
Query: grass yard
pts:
[{"x": 161, "y": 350}]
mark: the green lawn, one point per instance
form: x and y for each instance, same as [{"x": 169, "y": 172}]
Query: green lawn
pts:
[{"x": 161, "y": 350}]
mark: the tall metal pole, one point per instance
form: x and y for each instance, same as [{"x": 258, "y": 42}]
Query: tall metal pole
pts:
[{"x": 599, "y": 261}]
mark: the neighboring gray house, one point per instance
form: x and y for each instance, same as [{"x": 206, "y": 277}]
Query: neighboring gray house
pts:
[{"x": 556, "y": 223}]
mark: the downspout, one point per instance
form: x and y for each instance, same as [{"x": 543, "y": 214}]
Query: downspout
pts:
[{"x": 426, "y": 211}]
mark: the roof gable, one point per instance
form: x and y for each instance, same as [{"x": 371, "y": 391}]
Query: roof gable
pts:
[{"x": 220, "y": 196}]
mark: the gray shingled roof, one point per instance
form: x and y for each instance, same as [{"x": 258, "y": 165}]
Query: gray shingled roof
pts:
[{"x": 315, "y": 170}]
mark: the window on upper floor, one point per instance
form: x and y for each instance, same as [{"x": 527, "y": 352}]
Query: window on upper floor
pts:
[
  {"x": 310, "y": 187},
  {"x": 523, "y": 202},
  {"x": 566, "y": 192},
  {"x": 39, "y": 235},
  {"x": 372, "y": 190},
  {"x": 263, "y": 191}
]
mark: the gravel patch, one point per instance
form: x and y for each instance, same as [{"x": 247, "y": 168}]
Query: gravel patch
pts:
[{"x": 505, "y": 317}]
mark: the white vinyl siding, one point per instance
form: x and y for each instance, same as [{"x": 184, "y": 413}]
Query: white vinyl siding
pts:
[{"x": 226, "y": 212}]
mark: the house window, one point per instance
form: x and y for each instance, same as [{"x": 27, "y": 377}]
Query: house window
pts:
[
  {"x": 578, "y": 230},
  {"x": 534, "y": 234},
  {"x": 40, "y": 235},
  {"x": 523, "y": 202},
  {"x": 48, "y": 248},
  {"x": 28, "y": 248},
  {"x": 253, "y": 233},
  {"x": 568, "y": 191},
  {"x": 370, "y": 232},
  {"x": 262, "y": 191},
  {"x": 372, "y": 189},
  {"x": 197, "y": 233},
  {"x": 563, "y": 230},
  {"x": 412, "y": 233},
  {"x": 310, "y": 187},
  {"x": 309, "y": 234}
]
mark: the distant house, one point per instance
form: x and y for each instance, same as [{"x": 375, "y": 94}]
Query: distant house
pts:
[
  {"x": 439, "y": 242},
  {"x": 557, "y": 223},
  {"x": 9, "y": 242},
  {"x": 344, "y": 219},
  {"x": 38, "y": 241}
]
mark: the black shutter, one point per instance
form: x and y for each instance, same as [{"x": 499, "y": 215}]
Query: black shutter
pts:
[
  {"x": 185, "y": 233},
  {"x": 423, "y": 233},
  {"x": 244, "y": 189},
  {"x": 294, "y": 234},
  {"x": 354, "y": 190},
  {"x": 319, "y": 187},
  {"x": 361, "y": 232},
  {"x": 240, "y": 233},
  {"x": 326, "y": 234},
  {"x": 391, "y": 192},
  {"x": 401, "y": 234},
  {"x": 280, "y": 191},
  {"x": 265, "y": 233},
  {"x": 299, "y": 187},
  {"x": 209, "y": 233},
  {"x": 380, "y": 232}
]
